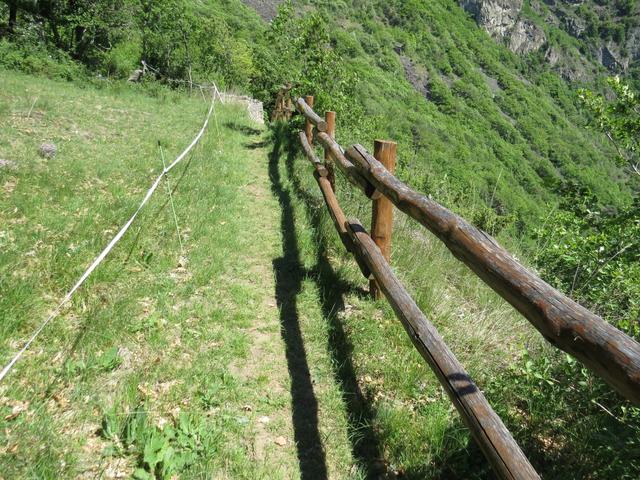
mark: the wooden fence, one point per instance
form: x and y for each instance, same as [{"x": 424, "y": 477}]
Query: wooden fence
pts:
[{"x": 601, "y": 347}]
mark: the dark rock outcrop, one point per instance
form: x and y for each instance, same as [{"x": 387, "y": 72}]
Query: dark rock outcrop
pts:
[
  {"x": 497, "y": 17},
  {"x": 526, "y": 37},
  {"x": 610, "y": 57},
  {"x": 416, "y": 76}
]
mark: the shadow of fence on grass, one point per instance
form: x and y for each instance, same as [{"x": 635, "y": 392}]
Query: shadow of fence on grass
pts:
[
  {"x": 289, "y": 275},
  {"x": 331, "y": 291}
]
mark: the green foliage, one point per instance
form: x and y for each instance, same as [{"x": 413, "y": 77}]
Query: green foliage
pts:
[
  {"x": 179, "y": 37},
  {"x": 595, "y": 257},
  {"x": 162, "y": 452},
  {"x": 109, "y": 360},
  {"x": 575, "y": 425},
  {"x": 37, "y": 59},
  {"x": 181, "y": 43},
  {"x": 619, "y": 119},
  {"x": 122, "y": 58},
  {"x": 300, "y": 50}
]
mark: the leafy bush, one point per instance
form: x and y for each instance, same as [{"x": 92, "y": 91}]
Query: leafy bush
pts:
[
  {"x": 595, "y": 257},
  {"x": 36, "y": 59},
  {"x": 122, "y": 59},
  {"x": 162, "y": 453},
  {"x": 619, "y": 119}
]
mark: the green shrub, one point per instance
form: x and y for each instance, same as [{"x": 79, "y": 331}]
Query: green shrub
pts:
[
  {"x": 595, "y": 257},
  {"x": 122, "y": 59},
  {"x": 38, "y": 60}
]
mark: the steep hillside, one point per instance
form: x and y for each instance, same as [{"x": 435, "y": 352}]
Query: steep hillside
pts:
[
  {"x": 471, "y": 119},
  {"x": 494, "y": 134},
  {"x": 579, "y": 39}
]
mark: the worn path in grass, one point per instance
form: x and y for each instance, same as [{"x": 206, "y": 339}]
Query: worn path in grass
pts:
[{"x": 206, "y": 363}]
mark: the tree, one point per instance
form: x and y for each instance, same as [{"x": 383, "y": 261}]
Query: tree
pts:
[
  {"x": 13, "y": 15},
  {"x": 618, "y": 118},
  {"x": 45, "y": 9}
]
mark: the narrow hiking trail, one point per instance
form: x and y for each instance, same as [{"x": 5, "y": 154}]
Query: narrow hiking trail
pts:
[
  {"x": 218, "y": 353},
  {"x": 298, "y": 422}
]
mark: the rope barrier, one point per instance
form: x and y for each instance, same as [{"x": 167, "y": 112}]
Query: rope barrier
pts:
[{"x": 113, "y": 242}]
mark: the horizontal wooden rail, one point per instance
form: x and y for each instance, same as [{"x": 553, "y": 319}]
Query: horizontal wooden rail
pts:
[
  {"x": 492, "y": 436},
  {"x": 313, "y": 158},
  {"x": 334, "y": 151},
  {"x": 339, "y": 220},
  {"x": 313, "y": 117},
  {"x": 346, "y": 167},
  {"x": 600, "y": 346}
]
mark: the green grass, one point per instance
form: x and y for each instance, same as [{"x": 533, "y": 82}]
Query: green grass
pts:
[{"x": 155, "y": 354}]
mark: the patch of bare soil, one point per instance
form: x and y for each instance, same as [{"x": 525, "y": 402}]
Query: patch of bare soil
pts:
[
  {"x": 267, "y": 9},
  {"x": 415, "y": 75}
]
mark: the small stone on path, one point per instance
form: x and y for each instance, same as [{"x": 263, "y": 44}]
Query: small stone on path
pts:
[
  {"x": 7, "y": 163},
  {"x": 48, "y": 150}
]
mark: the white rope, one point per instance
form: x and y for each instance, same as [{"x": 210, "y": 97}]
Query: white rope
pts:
[{"x": 110, "y": 246}]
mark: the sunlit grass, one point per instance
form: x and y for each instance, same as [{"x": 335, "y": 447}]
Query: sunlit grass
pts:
[{"x": 154, "y": 334}]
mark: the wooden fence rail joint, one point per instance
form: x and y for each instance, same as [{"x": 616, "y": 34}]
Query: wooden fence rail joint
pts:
[
  {"x": 308, "y": 112},
  {"x": 347, "y": 168},
  {"x": 330, "y": 118},
  {"x": 315, "y": 161}
]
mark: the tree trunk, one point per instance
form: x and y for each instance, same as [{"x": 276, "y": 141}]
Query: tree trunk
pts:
[
  {"x": 13, "y": 15},
  {"x": 46, "y": 9}
]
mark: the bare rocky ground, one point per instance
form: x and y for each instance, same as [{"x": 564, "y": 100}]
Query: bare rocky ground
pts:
[{"x": 266, "y": 8}]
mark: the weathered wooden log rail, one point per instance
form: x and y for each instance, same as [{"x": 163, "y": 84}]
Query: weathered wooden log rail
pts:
[
  {"x": 601, "y": 347},
  {"x": 492, "y": 436}
]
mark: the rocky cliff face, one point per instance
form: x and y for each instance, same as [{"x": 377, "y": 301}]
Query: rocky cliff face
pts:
[
  {"x": 502, "y": 20},
  {"x": 526, "y": 37},
  {"x": 497, "y": 17},
  {"x": 609, "y": 32},
  {"x": 267, "y": 9}
]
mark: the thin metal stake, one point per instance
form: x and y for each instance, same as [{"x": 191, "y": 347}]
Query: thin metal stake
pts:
[{"x": 173, "y": 207}]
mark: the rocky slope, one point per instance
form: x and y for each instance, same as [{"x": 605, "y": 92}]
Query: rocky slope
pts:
[
  {"x": 267, "y": 9},
  {"x": 502, "y": 19},
  {"x": 576, "y": 37}
]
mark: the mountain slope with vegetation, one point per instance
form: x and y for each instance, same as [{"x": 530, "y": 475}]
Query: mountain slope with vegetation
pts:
[{"x": 462, "y": 108}]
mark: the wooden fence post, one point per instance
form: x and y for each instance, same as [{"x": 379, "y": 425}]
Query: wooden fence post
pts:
[
  {"x": 330, "y": 118},
  {"x": 308, "y": 128},
  {"x": 382, "y": 210},
  {"x": 288, "y": 108}
]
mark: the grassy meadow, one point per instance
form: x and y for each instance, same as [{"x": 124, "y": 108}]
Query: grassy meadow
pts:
[{"x": 167, "y": 362}]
